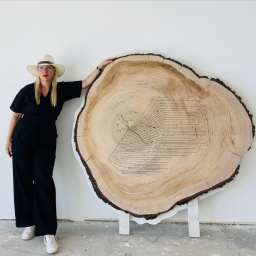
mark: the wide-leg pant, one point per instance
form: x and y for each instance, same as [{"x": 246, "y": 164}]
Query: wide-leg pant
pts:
[{"x": 33, "y": 156}]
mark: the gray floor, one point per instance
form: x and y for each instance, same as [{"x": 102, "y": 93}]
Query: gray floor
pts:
[{"x": 102, "y": 239}]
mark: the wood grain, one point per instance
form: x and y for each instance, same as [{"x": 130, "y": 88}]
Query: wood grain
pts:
[{"x": 153, "y": 134}]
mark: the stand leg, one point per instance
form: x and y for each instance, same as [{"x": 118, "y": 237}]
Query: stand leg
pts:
[
  {"x": 193, "y": 220},
  {"x": 124, "y": 223}
]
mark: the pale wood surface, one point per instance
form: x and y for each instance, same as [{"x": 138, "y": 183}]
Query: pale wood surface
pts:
[{"x": 153, "y": 134}]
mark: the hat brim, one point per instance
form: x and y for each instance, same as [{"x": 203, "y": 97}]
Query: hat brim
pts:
[{"x": 60, "y": 69}]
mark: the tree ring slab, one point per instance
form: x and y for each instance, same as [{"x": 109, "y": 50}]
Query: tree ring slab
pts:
[{"x": 153, "y": 134}]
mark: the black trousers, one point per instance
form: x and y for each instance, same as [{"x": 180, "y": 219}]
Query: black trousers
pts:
[{"x": 33, "y": 156}]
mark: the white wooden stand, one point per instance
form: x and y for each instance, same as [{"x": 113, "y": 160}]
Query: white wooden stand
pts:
[
  {"x": 193, "y": 220},
  {"x": 124, "y": 223}
]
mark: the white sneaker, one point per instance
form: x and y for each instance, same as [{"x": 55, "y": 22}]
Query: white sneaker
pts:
[
  {"x": 28, "y": 233},
  {"x": 51, "y": 243}
]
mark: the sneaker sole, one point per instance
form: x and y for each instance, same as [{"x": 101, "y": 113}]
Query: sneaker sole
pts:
[
  {"x": 27, "y": 238},
  {"x": 52, "y": 252}
]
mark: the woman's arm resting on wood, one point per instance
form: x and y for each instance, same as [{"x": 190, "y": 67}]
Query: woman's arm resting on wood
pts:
[
  {"x": 88, "y": 81},
  {"x": 14, "y": 121}
]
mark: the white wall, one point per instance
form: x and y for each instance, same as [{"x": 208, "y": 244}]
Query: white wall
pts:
[{"x": 217, "y": 37}]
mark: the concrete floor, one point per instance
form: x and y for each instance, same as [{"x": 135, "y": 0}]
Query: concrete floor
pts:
[{"x": 95, "y": 238}]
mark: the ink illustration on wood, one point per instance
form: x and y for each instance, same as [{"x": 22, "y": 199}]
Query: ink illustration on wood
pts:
[{"x": 153, "y": 134}]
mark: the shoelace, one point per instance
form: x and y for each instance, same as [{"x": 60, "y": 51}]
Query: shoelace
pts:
[
  {"x": 29, "y": 229},
  {"x": 52, "y": 238}
]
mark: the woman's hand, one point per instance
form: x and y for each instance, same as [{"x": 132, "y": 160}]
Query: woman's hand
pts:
[
  {"x": 89, "y": 80},
  {"x": 105, "y": 62},
  {"x": 8, "y": 148}
]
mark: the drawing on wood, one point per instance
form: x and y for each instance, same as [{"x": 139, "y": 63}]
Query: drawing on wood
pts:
[{"x": 153, "y": 134}]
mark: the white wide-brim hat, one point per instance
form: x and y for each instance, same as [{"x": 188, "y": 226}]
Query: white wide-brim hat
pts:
[{"x": 46, "y": 59}]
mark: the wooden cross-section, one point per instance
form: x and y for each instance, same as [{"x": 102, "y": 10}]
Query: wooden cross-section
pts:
[{"x": 153, "y": 134}]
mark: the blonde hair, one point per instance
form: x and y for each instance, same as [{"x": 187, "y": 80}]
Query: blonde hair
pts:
[{"x": 38, "y": 89}]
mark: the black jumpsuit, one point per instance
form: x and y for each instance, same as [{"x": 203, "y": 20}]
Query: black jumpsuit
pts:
[{"x": 34, "y": 143}]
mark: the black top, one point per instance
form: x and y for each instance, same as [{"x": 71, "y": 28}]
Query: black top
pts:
[{"x": 25, "y": 102}]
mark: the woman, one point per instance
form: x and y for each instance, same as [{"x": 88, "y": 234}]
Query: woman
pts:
[{"x": 31, "y": 142}]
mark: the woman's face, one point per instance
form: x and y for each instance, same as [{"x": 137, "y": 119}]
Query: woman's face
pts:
[{"x": 45, "y": 72}]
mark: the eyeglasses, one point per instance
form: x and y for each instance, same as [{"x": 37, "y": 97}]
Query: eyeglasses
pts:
[{"x": 48, "y": 68}]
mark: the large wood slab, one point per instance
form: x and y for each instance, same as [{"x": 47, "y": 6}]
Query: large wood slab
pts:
[{"x": 153, "y": 134}]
